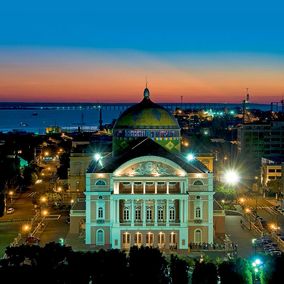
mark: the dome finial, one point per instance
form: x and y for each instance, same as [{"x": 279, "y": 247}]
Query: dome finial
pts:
[{"x": 146, "y": 91}]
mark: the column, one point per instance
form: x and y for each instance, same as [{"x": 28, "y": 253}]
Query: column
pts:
[
  {"x": 144, "y": 213},
  {"x": 132, "y": 213},
  {"x": 144, "y": 187},
  {"x": 167, "y": 213},
  {"x": 117, "y": 211},
  {"x": 155, "y": 187},
  {"x": 186, "y": 210},
  {"x": 156, "y": 212},
  {"x": 132, "y": 187},
  {"x": 167, "y": 187},
  {"x": 180, "y": 211}
]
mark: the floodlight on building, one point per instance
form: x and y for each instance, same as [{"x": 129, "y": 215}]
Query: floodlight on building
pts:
[
  {"x": 97, "y": 156},
  {"x": 231, "y": 177},
  {"x": 190, "y": 157}
]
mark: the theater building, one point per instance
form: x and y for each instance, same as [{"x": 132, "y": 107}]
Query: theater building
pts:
[{"x": 145, "y": 192}]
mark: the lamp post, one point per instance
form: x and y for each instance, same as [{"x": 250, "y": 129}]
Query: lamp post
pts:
[{"x": 11, "y": 193}]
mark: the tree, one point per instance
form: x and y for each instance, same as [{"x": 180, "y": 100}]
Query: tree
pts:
[
  {"x": 275, "y": 186},
  {"x": 178, "y": 270},
  {"x": 204, "y": 273},
  {"x": 235, "y": 272},
  {"x": 154, "y": 266}
]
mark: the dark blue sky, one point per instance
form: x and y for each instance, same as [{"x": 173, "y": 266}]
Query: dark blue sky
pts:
[{"x": 159, "y": 26}]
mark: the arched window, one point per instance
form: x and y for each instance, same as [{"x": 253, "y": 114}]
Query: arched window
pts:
[
  {"x": 198, "y": 236},
  {"x": 173, "y": 238},
  {"x": 100, "y": 213},
  {"x": 197, "y": 212},
  {"x": 198, "y": 182},
  {"x": 138, "y": 239},
  {"x": 138, "y": 213},
  {"x": 172, "y": 212},
  {"x": 149, "y": 239},
  {"x": 149, "y": 214},
  {"x": 126, "y": 215},
  {"x": 161, "y": 214},
  {"x": 100, "y": 239},
  {"x": 126, "y": 238},
  {"x": 161, "y": 239},
  {"x": 100, "y": 182}
]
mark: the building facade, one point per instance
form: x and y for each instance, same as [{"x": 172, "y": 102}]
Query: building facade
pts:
[{"x": 145, "y": 192}]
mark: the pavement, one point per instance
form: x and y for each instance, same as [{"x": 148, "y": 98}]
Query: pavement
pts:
[{"x": 242, "y": 237}]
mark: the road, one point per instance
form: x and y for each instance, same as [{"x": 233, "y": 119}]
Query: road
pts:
[
  {"x": 266, "y": 210},
  {"x": 55, "y": 225}
]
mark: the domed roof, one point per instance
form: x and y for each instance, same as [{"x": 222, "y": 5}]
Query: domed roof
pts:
[{"x": 146, "y": 115}]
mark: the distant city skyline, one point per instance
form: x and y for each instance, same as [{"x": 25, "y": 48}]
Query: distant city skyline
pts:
[{"x": 103, "y": 52}]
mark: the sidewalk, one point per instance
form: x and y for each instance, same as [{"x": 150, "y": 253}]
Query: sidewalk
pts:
[{"x": 273, "y": 201}]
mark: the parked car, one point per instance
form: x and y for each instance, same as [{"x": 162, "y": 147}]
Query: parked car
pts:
[
  {"x": 10, "y": 210},
  {"x": 32, "y": 240}
]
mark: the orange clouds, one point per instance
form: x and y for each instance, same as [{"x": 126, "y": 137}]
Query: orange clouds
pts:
[{"x": 94, "y": 76}]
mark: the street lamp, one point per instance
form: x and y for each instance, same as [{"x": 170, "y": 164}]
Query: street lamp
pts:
[
  {"x": 26, "y": 228},
  {"x": 256, "y": 266},
  {"x": 223, "y": 203},
  {"x": 11, "y": 193},
  {"x": 231, "y": 177}
]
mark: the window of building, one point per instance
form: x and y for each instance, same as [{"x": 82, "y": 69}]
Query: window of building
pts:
[
  {"x": 161, "y": 238},
  {"x": 271, "y": 170},
  {"x": 198, "y": 182},
  {"x": 100, "y": 213},
  {"x": 138, "y": 239},
  {"x": 160, "y": 214},
  {"x": 100, "y": 182},
  {"x": 126, "y": 238},
  {"x": 138, "y": 213},
  {"x": 197, "y": 236},
  {"x": 126, "y": 215},
  {"x": 149, "y": 214},
  {"x": 149, "y": 239},
  {"x": 172, "y": 214},
  {"x": 100, "y": 239},
  {"x": 198, "y": 212},
  {"x": 173, "y": 238}
]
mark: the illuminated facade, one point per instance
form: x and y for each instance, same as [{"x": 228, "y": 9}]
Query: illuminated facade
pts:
[{"x": 148, "y": 194}]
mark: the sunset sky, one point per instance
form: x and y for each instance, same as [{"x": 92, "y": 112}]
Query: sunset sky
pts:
[{"x": 90, "y": 51}]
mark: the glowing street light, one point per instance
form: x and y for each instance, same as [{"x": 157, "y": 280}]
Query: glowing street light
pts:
[
  {"x": 231, "y": 177},
  {"x": 46, "y": 153},
  {"x": 241, "y": 200},
  {"x": 190, "y": 157},
  {"x": 97, "y": 156},
  {"x": 26, "y": 228},
  {"x": 11, "y": 193}
]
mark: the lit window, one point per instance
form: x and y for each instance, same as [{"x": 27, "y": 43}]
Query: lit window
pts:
[
  {"x": 126, "y": 238},
  {"x": 149, "y": 239},
  {"x": 173, "y": 238},
  {"x": 138, "y": 239},
  {"x": 161, "y": 239}
]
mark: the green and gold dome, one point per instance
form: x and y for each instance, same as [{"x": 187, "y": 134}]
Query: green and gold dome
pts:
[{"x": 146, "y": 119}]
